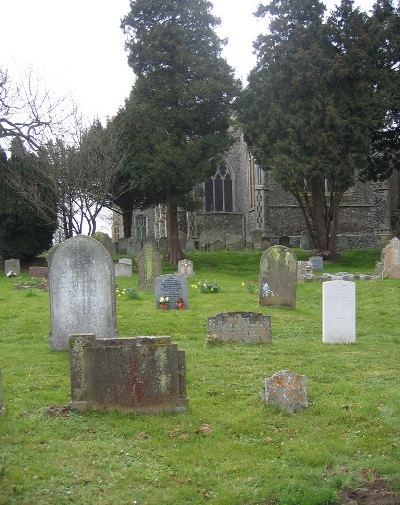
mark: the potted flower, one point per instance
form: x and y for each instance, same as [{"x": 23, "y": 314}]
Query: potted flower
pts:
[
  {"x": 164, "y": 302},
  {"x": 180, "y": 304}
]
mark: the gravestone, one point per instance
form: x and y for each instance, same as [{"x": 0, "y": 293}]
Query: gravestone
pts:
[
  {"x": 134, "y": 246},
  {"x": 2, "y": 409},
  {"x": 391, "y": 261},
  {"x": 278, "y": 278},
  {"x": 206, "y": 237},
  {"x": 182, "y": 237},
  {"x": 317, "y": 263},
  {"x": 142, "y": 375},
  {"x": 190, "y": 244},
  {"x": 304, "y": 270},
  {"x": 185, "y": 268},
  {"x": 12, "y": 265},
  {"x": 343, "y": 242},
  {"x": 122, "y": 245},
  {"x": 216, "y": 245},
  {"x": 163, "y": 245},
  {"x": 149, "y": 267},
  {"x": 123, "y": 268},
  {"x": 105, "y": 240},
  {"x": 173, "y": 287},
  {"x": 339, "y": 312},
  {"x": 287, "y": 390},
  {"x": 306, "y": 242},
  {"x": 234, "y": 242},
  {"x": 82, "y": 291},
  {"x": 39, "y": 272},
  {"x": 239, "y": 327}
]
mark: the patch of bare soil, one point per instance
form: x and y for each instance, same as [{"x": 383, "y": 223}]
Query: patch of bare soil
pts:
[{"x": 373, "y": 493}]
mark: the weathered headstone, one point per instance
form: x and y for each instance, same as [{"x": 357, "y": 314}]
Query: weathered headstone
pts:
[
  {"x": 12, "y": 265},
  {"x": 217, "y": 245},
  {"x": 278, "y": 278},
  {"x": 2, "y": 409},
  {"x": 343, "y": 242},
  {"x": 304, "y": 270},
  {"x": 287, "y": 390},
  {"x": 163, "y": 245},
  {"x": 39, "y": 272},
  {"x": 182, "y": 240},
  {"x": 171, "y": 286},
  {"x": 317, "y": 263},
  {"x": 142, "y": 375},
  {"x": 185, "y": 268},
  {"x": 105, "y": 240},
  {"x": 239, "y": 327},
  {"x": 134, "y": 246},
  {"x": 306, "y": 242},
  {"x": 122, "y": 245},
  {"x": 391, "y": 262},
  {"x": 149, "y": 267},
  {"x": 234, "y": 242},
  {"x": 123, "y": 268},
  {"x": 82, "y": 291},
  {"x": 339, "y": 312}
]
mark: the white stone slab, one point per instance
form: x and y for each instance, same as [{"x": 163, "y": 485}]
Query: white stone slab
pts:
[{"x": 339, "y": 312}]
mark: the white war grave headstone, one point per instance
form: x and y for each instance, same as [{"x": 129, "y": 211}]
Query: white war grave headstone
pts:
[
  {"x": 338, "y": 312},
  {"x": 82, "y": 291}
]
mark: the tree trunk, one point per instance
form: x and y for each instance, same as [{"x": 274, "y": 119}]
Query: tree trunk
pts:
[
  {"x": 320, "y": 217},
  {"x": 127, "y": 222},
  {"x": 175, "y": 253}
]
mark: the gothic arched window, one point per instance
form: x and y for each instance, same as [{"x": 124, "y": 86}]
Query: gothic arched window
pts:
[
  {"x": 140, "y": 226},
  {"x": 219, "y": 191}
]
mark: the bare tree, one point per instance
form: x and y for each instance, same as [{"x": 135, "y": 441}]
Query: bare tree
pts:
[{"x": 28, "y": 111}]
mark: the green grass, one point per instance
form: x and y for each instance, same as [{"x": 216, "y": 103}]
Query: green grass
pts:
[{"x": 251, "y": 453}]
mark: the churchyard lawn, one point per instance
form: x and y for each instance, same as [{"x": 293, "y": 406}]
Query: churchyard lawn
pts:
[{"x": 229, "y": 447}]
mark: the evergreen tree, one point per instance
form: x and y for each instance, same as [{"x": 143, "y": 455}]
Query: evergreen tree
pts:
[
  {"x": 180, "y": 108},
  {"x": 23, "y": 234},
  {"x": 311, "y": 108}
]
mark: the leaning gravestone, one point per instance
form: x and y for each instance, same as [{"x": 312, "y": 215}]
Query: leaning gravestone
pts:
[
  {"x": 14, "y": 266},
  {"x": 174, "y": 287},
  {"x": 306, "y": 242},
  {"x": 287, "y": 390},
  {"x": 339, "y": 312},
  {"x": 2, "y": 409},
  {"x": 239, "y": 327},
  {"x": 141, "y": 375},
  {"x": 278, "y": 278},
  {"x": 149, "y": 267},
  {"x": 391, "y": 262},
  {"x": 82, "y": 291}
]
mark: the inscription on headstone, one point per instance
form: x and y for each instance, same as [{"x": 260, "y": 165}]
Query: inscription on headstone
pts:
[
  {"x": 278, "y": 277},
  {"x": 82, "y": 291},
  {"x": 174, "y": 287},
  {"x": 339, "y": 312}
]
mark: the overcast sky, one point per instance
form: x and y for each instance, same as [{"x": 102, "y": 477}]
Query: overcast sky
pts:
[{"x": 77, "y": 46}]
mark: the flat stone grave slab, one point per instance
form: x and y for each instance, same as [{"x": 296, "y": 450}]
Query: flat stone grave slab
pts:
[
  {"x": 287, "y": 390},
  {"x": 239, "y": 327}
]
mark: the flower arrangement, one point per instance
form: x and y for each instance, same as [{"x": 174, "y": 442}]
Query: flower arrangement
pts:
[
  {"x": 11, "y": 274},
  {"x": 207, "y": 287},
  {"x": 164, "y": 299},
  {"x": 180, "y": 303}
]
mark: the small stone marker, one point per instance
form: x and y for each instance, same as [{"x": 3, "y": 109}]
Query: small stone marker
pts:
[
  {"x": 149, "y": 267},
  {"x": 185, "y": 268},
  {"x": 2, "y": 409},
  {"x": 339, "y": 312},
  {"x": 82, "y": 291},
  {"x": 239, "y": 327},
  {"x": 278, "y": 278},
  {"x": 142, "y": 375},
  {"x": 123, "y": 268},
  {"x": 317, "y": 263},
  {"x": 174, "y": 287},
  {"x": 287, "y": 390},
  {"x": 391, "y": 262},
  {"x": 12, "y": 265},
  {"x": 304, "y": 270},
  {"x": 39, "y": 272}
]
